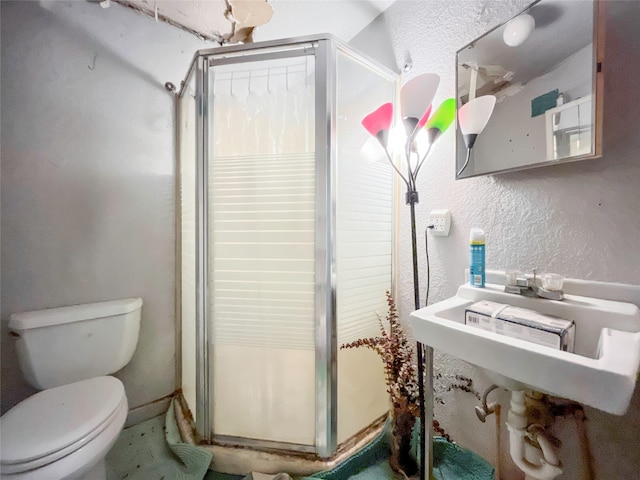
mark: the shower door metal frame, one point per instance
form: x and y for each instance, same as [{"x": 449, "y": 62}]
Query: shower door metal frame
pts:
[
  {"x": 203, "y": 383},
  {"x": 324, "y": 48},
  {"x": 199, "y": 70}
]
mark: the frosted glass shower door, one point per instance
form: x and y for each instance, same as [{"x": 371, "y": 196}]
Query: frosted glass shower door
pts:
[
  {"x": 261, "y": 250},
  {"x": 364, "y": 242}
]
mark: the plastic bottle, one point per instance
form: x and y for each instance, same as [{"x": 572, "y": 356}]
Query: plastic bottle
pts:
[{"x": 476, "y": 251}]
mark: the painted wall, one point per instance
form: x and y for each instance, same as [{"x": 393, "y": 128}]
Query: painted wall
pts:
[
  {"x": 579, "y": 219},
  {"x": 88, "y": 173}
]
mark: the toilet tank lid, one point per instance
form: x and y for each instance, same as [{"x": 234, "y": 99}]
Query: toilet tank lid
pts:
[{"x": 74, "y": 313}]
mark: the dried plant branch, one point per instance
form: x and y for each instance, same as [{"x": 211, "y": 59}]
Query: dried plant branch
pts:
[
  {"x": 400, "y": 372},
  {"x": 397, "y": 355}
]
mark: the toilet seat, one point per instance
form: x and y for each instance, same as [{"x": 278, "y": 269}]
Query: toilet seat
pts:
[{"x": 57, "y": 422}]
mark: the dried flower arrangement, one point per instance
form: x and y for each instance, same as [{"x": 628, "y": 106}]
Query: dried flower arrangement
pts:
[
  {"x": 393, "y": 347},
  {"x": 402, "y": 385}
]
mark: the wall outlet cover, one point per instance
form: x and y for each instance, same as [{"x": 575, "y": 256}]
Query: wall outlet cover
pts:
[{"x": 441, "y": 221}]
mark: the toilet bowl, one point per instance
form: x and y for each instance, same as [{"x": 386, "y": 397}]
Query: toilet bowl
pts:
[{"x": 64, "y": 432}]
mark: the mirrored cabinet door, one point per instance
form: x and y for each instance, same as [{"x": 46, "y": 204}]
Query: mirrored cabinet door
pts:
[{"x": 543, "y": 67}]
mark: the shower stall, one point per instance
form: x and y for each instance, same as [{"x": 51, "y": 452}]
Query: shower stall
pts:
[{"x": 286, "y": 242}]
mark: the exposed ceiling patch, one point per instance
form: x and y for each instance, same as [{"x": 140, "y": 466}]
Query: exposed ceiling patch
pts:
[
  {"x": 231, "y": 21},
  {"x": 204, "y": 18},
  {"x": 245, "y": 15}
]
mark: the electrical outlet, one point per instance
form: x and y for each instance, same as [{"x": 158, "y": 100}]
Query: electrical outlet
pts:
[{"x": 441, "y": 221}]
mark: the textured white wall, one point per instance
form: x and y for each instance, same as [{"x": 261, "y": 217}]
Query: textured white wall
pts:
[
  {"x": 580, "y": 219},
  {"x": 88, "y": 173}
]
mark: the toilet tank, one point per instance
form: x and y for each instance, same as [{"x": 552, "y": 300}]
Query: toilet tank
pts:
[{"x": 63, "y": 345}]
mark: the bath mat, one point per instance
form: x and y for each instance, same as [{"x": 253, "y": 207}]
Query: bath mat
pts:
[{"x": 195, "y": 460}]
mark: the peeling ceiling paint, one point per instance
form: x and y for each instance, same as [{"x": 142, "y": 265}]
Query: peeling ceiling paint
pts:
[
  {"x": 205, "y": 18},
  {"x": 245, "y": 15},
  {"x": 231, "y": 21}
]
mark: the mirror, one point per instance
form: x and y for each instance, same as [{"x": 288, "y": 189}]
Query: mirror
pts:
[{"x": 548, "y": 89}]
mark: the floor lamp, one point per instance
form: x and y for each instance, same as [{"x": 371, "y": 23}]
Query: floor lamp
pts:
[{"x": 421, "y": 130}]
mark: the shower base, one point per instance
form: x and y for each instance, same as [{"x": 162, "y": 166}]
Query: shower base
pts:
[{"x": 240, "y": 460}]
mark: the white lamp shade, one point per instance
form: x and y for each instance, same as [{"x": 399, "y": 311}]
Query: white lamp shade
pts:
[
  {"x": 518, "y": 29},
  {"x": 417, "y": 94},
  {"x": 473, "y": 116}
]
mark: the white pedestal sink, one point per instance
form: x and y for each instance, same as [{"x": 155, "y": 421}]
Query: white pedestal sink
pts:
[{"x": 601, "y": 372}]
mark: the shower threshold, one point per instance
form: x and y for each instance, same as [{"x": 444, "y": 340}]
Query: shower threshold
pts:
[{"x": 238, "y": 459}]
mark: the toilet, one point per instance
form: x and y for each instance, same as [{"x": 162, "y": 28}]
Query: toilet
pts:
[{"x": 66, "y": 430}]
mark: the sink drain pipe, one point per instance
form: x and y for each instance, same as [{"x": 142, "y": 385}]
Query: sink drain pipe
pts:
[{"x": 531, "y": 449}]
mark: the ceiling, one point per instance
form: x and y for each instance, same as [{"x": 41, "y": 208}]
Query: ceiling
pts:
[{"x": 232, "y": 21}]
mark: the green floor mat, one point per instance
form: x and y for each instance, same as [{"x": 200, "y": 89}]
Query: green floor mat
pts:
[
  {"x": 451, "y": 462},
  {"x": 369, "y": 457}
]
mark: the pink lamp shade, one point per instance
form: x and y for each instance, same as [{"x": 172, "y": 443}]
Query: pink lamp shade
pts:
[
  {"x": 425, "y": 117},
  {"x": 416, "y": 96},
  {"x": 378, "y": 122}
]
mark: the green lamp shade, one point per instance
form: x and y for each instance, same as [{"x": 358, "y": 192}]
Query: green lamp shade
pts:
[{"x": 443, "y": 116}]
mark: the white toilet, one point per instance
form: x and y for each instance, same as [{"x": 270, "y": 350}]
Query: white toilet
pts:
[{"x": 66, "y": 430}]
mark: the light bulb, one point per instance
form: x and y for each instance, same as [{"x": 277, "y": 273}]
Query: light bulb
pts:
[
  {"x": 371, "y": 151},
  {"x": 518, "y": 29},
  {"x": 397, "y": 140}
]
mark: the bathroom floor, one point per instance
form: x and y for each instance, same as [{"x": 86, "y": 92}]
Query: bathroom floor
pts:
[{"x": 141, "y": 453}]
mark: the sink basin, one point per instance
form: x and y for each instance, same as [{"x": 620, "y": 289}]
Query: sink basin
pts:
[{"x": 603, "y": 368}]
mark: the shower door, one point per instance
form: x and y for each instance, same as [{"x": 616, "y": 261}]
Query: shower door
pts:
[
  {"x": 261, "y": 256},
  {"x": 287, "y": 245}
]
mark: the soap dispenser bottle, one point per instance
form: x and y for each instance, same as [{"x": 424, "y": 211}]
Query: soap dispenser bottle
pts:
[{"x": 476, "y": 260}]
